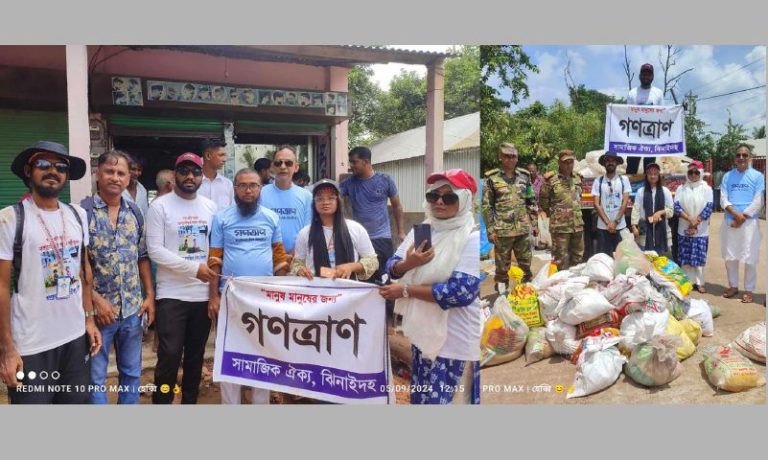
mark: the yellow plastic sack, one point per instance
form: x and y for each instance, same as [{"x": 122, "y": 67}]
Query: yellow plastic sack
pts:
[
  {"x": 728, "y": 370},
  {"x": 692, "y": 330},
  {"x": 525, "y": 303},
  {"x": 672, "y": 272},
  {"x": 687, "y": 348},
  {"x": 504, "y": 335}
]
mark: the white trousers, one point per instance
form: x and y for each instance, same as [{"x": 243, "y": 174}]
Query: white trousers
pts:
[
  {"x": 750, "y": 275},
  {"x": 695, "y": 274},
  {"x": 230, "y": 394}
]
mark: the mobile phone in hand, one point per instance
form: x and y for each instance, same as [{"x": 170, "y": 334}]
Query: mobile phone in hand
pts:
[
  {"x": 145, "y": 322},
  {"x": 421, "y": 233}
]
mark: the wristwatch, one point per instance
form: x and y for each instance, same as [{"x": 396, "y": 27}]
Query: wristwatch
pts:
[{"x": 405, "y": 291}]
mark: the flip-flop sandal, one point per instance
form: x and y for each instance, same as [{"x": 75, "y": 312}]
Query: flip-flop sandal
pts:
[
  {"x": 747, "y": 298},
  {"x": 701, "y": 289},
  {"x": 730, "y": 292}
]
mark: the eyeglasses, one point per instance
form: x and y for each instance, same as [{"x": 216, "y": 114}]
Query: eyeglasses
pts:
[
  {"x": 42, "y": 164},
  {"x": 694, "y": 172},
  {"x": 244, "y": 187},
  {"x": 185, "y": 170},
  {"x": 278, "y": 163},
  {"x": 448, "y": 198},
  {"x": 741, "y": 155}
]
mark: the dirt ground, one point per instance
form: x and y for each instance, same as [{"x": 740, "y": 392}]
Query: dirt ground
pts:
[{"x": 692, "y": 387}]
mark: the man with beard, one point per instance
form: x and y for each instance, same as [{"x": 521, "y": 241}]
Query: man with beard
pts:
[
  {"x": 245, "y": 241},
  {"x": 611, "y": 194},
  {"x": 47, "y": 324},
  {"x": 118, "y": 275},
  {"x": 182, "y": 323},
  {"x": 645, "y": 94}
]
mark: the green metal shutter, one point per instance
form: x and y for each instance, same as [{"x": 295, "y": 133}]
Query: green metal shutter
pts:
[{"x": 20, "y": 129}]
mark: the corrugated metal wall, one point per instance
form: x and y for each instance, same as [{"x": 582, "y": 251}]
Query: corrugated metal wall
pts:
[{"x": 410, "y": 178}]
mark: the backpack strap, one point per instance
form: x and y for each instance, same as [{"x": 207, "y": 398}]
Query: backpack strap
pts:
[
  {"x": 139, "y": 216},
  {"x": 18, "y": 210}
]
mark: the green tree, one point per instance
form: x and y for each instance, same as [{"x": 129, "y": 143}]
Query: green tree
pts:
[
  {"x": 403, "y": 107},
  {"x": 462, "y": 85},
  {"x": 699, "y": 143},
  {"x": 502, "y": 66},
  {"x": 364, "y": 98},
  {"x": 589, "y": 100},
  {"x": 734, "y": 135},
  {"x": 758, "y": 132}
]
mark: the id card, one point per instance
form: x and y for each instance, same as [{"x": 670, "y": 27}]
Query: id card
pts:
[{"x": 62, "y": 287}]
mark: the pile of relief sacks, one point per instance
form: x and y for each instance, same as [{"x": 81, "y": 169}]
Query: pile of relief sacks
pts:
[{"x": 631, "y": 313}]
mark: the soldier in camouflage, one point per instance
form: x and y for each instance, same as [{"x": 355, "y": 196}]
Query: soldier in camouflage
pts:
[
  {"x": 510, "y": 212},
  {"x": 560, "y": 199}
]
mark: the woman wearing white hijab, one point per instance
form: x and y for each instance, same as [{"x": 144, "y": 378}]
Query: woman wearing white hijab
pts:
[
  {"x": 438, "y": 295},
  {"x": 694, "y": 204}
]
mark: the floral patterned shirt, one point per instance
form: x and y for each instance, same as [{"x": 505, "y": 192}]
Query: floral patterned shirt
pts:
[{"x": 114, "y": 254}]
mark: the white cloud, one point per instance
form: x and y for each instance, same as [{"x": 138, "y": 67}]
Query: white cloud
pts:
[
  {"x": 384, "y": 73},
  {"x": 757, "y": 52}
]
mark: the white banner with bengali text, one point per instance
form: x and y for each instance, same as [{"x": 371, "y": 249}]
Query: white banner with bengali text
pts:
[
  {"x": 322, "y": 339},
  {"x": 645, "y": 130}
]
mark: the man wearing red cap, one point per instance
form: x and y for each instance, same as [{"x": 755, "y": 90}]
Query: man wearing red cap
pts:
[
  {"x": 645, "y": 94},
  {"x": 178, "y": 225}
]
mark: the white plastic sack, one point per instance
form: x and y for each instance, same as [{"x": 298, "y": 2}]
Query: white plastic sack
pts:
[
  {"x": 562, "y": 337},
  {"x": 582, "y": 306},
  {"x": 699, "y": 311},
  {"x": 544, "y": 236},
  {"x": 751, "y": 342},
  {"x": 642, "y": 297},
  {"x": 618, "y": 287},
  {"x": 577, "y": 269},
  {"x": 596, "y": 370},
  {"x": 640, "y": 327},
  {"x": 599, "y": 268}
]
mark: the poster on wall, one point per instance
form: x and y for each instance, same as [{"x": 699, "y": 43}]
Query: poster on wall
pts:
[{"x": 126, "y": 91}]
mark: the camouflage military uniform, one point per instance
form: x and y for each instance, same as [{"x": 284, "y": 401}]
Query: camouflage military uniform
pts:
[
  {"x": 509, "y": 209},
  {"x": 560, "y": 198}
]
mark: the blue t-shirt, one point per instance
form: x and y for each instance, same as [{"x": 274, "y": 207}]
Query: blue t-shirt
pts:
[
  {"x": 742, "y": 188},
  {"x": 247, "y": 241},
  {"x": 293, "y": 207},
  {"x": 369, "y": 202}
]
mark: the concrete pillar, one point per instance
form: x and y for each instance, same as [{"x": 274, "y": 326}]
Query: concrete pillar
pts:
[
  {"x": 77, "y": 115},
  {"x": 435, "y": 113},
  {"x": 338, "y": 80}
]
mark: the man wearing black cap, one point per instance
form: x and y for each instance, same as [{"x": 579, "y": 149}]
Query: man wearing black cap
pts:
[
  {"x": 645, "y": 94},
  {"x": 178, "y": 225},
  {"x": 47, "y": 327},
  {"x": 611, "y": 194}
]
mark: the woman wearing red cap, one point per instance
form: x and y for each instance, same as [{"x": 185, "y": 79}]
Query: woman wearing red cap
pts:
[
  {"x": 438, "y": 294},
  {"x": 694, "y": 204}
]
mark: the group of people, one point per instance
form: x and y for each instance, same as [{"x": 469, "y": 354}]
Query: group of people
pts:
[
  {"x": 95, "y": 287},
  {"x": 511, "y": 212}
]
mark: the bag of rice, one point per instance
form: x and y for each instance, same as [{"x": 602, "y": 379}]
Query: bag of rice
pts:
[
  {"x": 599, "y": 268},
  {"x": 686, "y": 348},
  {"x": 611, "y": 319},
  {"x": 655, "y": 362},
  {"x": 562, "y": 337},
  {"x": 525, "y": 304},
  {"x": 605, "y": 332},
  {"x": 751, "y": 342},
  {"x": 728, "y": 370},
  {"x": 537, "y": 347},
  {"x": 598, "y": 368},
  {"x": 582, "y": 306},
  {"x": 699, "y": 311},
  {"x": 641, "y": 327},
  {"x": 504, "y": 335}
]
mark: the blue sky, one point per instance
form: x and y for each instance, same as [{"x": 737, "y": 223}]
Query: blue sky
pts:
[{"x": 716, "y": 70}]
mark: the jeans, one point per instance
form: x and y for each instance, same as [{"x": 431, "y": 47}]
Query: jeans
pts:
[{"x": 127, "y": 337}]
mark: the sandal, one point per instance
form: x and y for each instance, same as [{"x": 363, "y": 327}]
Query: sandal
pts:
[
  {"x": 701, "y": 288},
  {"x": 747, "y": 297},
  {"x": 730, "y": 292}
]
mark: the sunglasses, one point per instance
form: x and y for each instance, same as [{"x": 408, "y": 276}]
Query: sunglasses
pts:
[
  {"x": 448, "y": 198},
  {"x": 741, "y": 155},
  {"x": 185, "y": 170},
  {"x": 694, "y": 173},
  {"x": 278, "y": 163},
  {"x": 42, "y": 164}
]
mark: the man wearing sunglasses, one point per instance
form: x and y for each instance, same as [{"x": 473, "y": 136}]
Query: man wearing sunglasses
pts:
[
  {"x": 510, "y": 211},
  {"x": 611, "y": 195},
  {"x": 293, "y": 204},
  {"x": 741, "y": 197},
  {"x": 215, "y": 186},
  {"x": 47, "y": 328},
  {"x": 178, "y": 225}
]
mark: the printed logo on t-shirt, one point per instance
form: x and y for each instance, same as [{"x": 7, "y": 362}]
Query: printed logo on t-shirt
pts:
[
  {"x": 193, "y": 239},
  {"x": 243, "y": 235},
  {"x": 56, "y": 276},
  {"x": 286, "y": 213}
]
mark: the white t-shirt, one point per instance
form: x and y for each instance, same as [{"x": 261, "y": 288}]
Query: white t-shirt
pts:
[
  {"x": 221, "y": 191},
  {"x": 464, "y": 323},
  {"x": 44, "y": 314},
  {"x": 177, "y": 241},
  {"x": 641, "y": 96},
  {"x": 610, "y": 198},
  {"x": 361, "y": 243}
]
